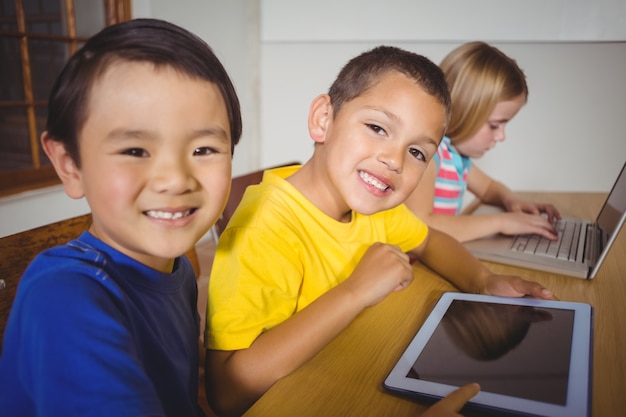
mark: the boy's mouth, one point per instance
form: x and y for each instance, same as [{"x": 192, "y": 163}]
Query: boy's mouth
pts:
[
  {"x": 373, "y": 181},
  {"x": 169, "y": 215}
]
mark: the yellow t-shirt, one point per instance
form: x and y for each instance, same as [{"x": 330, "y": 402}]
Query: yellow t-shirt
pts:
[{"x": 279, "y": 253}]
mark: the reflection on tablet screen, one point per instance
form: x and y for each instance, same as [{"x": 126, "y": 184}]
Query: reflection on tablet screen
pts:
[{"x": 519, "y": 351}]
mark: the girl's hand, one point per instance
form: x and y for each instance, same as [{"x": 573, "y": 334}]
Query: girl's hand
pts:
[
  {"x": 523, "y": 206},
  {"x": 519, "y": 223}
]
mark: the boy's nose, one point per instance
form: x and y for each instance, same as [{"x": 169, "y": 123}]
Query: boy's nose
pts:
[
  {"x": 392, "y": 158},
  {"x": 173, "y": 176}
]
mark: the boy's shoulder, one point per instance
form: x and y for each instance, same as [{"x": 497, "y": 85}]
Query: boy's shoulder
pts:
[
  {"x": 88, "y": 271},
  {"x": 63, "y": 264},
  {"x": 67, "y": 252},
  {"x": 84, "y": 249},
  {"x": 273, "y": 195},
  {"x": 281, "y": 172},
  {"x": 82, "y": 264}
]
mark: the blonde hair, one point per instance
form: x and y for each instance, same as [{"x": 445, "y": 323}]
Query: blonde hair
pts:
[{"x": 479, "y": 76}]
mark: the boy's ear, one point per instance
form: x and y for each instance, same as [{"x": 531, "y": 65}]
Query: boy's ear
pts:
[
  {"x": 320, "y": 117},
  {"x": 64, "y": 165}
]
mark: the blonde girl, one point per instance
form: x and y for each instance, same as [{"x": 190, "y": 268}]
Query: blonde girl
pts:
[{"x": 487, "y": 89}]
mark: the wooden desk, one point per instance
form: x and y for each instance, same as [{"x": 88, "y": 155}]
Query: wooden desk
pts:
[{"x": 345, "y": 378}]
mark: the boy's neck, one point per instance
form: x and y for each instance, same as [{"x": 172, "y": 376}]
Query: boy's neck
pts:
[{"x": 311, "y": 182}]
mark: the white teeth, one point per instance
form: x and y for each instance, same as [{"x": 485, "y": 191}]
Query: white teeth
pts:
[
  {"x": 167, "y": 214},
  {"x": 372, "y": 181}
]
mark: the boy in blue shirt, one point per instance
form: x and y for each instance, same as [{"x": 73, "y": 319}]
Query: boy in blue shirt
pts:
[{"x": 142, "y": 122}]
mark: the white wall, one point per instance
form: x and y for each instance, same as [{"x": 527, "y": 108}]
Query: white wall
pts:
[
  {"x": 282, "y": 53},
  {"x": 36, "y": 208},
  {"x": 443, "y": 20},
  {"x": 570, "y": 136}
]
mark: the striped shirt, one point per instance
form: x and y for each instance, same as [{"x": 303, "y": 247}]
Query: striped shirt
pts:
[{"x": 451, "y": 182}]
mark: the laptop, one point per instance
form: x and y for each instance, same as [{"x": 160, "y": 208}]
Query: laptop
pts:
[{"x": 580, "y": 249}]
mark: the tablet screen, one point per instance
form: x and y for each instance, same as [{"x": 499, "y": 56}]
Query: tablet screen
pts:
[
  {"x": 513, "y": 350},
  {"x": 531, "y": 357}
]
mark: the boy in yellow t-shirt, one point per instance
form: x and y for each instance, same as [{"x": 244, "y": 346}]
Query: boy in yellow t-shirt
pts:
[{"x": 312, "y": 246}]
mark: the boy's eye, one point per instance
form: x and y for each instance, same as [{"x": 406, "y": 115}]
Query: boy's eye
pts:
[
  {"x": 417, "y": 154},
  {"x": 205, "y": 150},
  {"x": 137, "y": 152},
  {"x": 377, "y": 129}
]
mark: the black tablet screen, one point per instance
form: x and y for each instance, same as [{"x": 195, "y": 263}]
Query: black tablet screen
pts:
[{"x": 513, "y": 350}]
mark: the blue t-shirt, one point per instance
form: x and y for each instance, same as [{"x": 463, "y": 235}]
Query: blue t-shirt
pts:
[{"x": 93, "y": 332}]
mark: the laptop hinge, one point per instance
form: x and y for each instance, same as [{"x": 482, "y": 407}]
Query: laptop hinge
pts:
[{"x": 593, "y": 244}]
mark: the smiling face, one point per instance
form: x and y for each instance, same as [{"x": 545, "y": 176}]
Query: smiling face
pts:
[
  {"x": 376, "y": 148},
  {"x": 492, "y": 131},
  {"x": 155, "y": 161}
]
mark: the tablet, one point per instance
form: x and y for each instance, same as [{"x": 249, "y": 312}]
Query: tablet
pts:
[{"x": 531, "y": 357}]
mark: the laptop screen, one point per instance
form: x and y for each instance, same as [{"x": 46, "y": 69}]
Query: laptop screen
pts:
[{"x": 612, "y": 214}]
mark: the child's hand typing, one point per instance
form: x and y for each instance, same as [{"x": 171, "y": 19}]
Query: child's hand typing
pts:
[
  {"x": 383, "y": 269},
  {"x": 516, "y": 223},
  {"x": 523, "y": 206}
]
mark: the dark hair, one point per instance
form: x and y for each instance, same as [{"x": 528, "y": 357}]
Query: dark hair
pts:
[
  {"x": 141, "y": 40},
  {"x": 364, "y": 71}
]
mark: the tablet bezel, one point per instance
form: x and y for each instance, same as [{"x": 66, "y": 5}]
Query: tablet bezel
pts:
[{"x": 579, "y": 383}]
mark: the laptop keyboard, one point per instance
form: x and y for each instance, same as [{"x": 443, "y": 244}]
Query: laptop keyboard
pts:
[{"x": 565, "y": 247}]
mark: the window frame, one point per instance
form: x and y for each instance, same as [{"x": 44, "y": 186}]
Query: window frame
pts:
[{"x": 40, "y": 176}]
